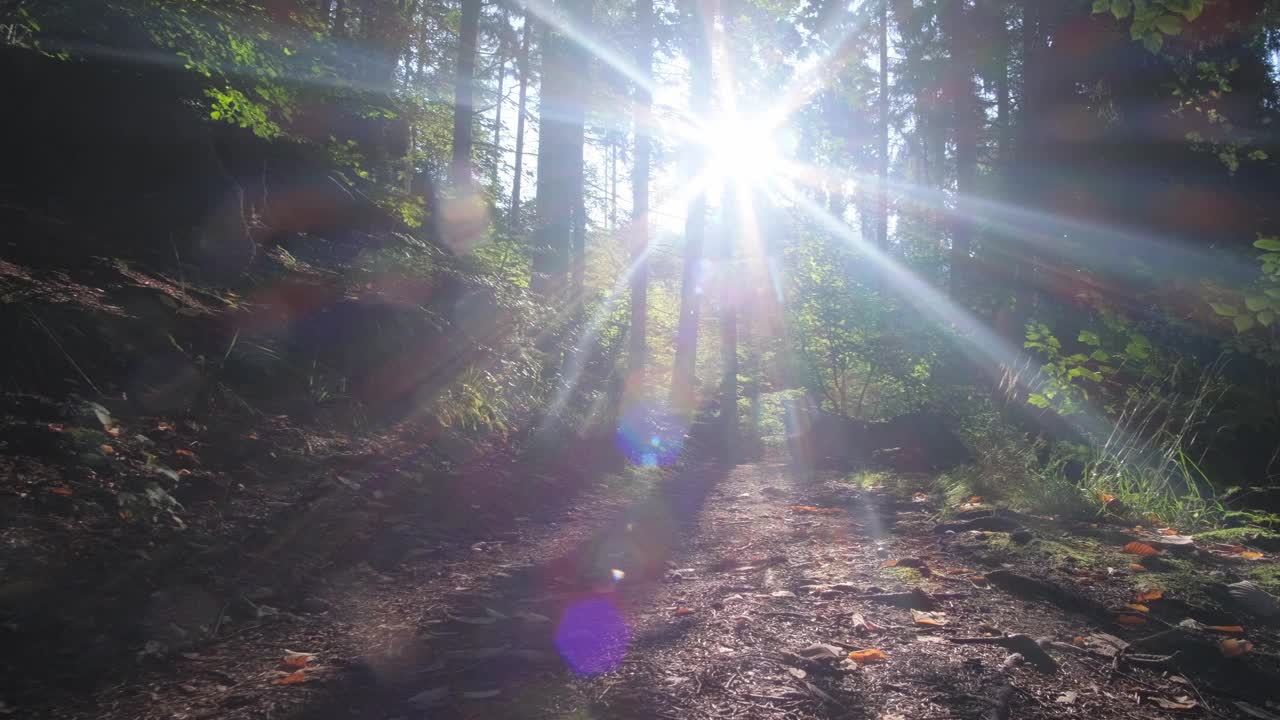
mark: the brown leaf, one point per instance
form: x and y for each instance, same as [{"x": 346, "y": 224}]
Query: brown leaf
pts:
[
  {"x": 975, "y": 499},
  {"x": 1148, "y": 595},
  {"x": 293, "y": 678},
  {"x": 934, "y": 619},
  {"x": 62, "y": 490},
  {"x": 164, "y": 426},
  {"x": 1168, "y": 531},
  {"x": 1226, "y": 629},
  {"x": 114, "y": 431},
  {"x": 107, "y": 449},
  {"x": 1138, "y": 548},
  {"x": 684, "y": 611},
  {"x": 1138, "y": 607},
  {"x": 296, "y": 659},
  {"x": 1251, "y": 555},
  {"x": 1107, "y": 498},
  {"x": 1130, "y": 620},
  {"x": 889, "y": 563},
  {"x": 57, "y": 427},
  {"x": 870, "y": 655},
  {"x": 1136, "y": 567},
  {"x": 1231, "y": 647}
]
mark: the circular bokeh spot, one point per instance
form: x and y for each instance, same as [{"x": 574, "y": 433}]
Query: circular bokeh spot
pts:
[{"x": 592, "y": 636}]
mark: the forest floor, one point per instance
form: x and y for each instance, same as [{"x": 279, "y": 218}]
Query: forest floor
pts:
[{"x": 739, "y": 591}]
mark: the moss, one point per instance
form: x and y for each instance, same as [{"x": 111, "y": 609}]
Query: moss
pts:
[
  {"x": 87, "y": 440},
  {"x": 1268, "y": 577},
  {"x": 1084, "y": 553},
  {"x": 910, "y": 576},
  {"x": 1239, "y": 535}
]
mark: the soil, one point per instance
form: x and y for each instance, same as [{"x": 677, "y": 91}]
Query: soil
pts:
[{"x": 715, "y": 591}]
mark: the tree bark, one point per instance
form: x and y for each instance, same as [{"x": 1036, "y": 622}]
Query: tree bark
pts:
[
  {"x": 638, "y": 347},
  {"x": 964, "y": 107},
  {"x": 882, "y": 194},
  {"x": 464, "y": 96},
  {"x": 522, "y": 67},
  {"x": 497, "y": 113},
  {"x": 701, "y": 18}
]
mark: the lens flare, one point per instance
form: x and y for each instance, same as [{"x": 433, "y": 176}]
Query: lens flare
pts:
[{"x": 592, "y": 636}]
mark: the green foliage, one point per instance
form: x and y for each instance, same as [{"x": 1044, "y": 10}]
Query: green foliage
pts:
[{"x": 1152, "y": 20}]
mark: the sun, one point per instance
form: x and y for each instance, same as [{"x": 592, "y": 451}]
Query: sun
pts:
[{"x": 742, "y": 149}]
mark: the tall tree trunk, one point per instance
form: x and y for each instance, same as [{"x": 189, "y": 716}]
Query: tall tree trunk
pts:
[
  {"x": 497, "y": 113},
  {"x": 522, "y": 67},
  {"x": 340, "y": 19},
  {"x": 731, "y": 292},
  {"x": 964, "y": 107},
  {"x": 683, "y": 377},
  {"x": 882, "y": 189},
  {"x": 553, "y": 202},
  {"x": 579, "y": 65},
  {"x": 638, "y": 340},
  {"x": 464, "y": 96}
]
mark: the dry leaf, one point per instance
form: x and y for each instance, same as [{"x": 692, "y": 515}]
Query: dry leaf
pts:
[
  {"x": 164, "y": 426},
  {"x": 975, "y": 499},
  {"x": 1168, "y": 531},
  {"x": 184, "y": 452},
  {"x": 107, "y": 449},
  {"x": 1130, "y": 620},
  {"x": 1078, "y": 641},
  {"x": 114, "y": 431},
  {"x": 293, "y": 678},
  {"x": 1231, "y": 647},
  {"x": 1182, "y": 702},
  {"x": 869, "y": 655},
  {"x": 62, "y": 490},
  {"x": 1137, "y": 548},
  {"x": 1107, "y": 498},
  {"x": 684, "y": 611},
  {"x": 919, "y": 497},
  {"x": 934, "y": 619},
  {"x": 1147, "y": 595},
  {"x": 889, "y": 563},
  {"x": 57, "y": 427},
  {"x": 1138, "y": 607},
  {"x": 1251, "y": 555},
  {"x": 296, "y": 659},
  {"x": 1136, "y": 567},
  {"x": 1226, "y": 629}
]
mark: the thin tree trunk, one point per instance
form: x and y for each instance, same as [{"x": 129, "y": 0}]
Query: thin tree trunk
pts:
[
  {"x": 553, "y": 201},
  {"x": 683, "y": 377},
  {"x": 730, "y": 294},
  {"x": 340, "y": 19},
  {"x": 522, "y": 67},
  {"x": 965, "y": 117},
  {"x": 638, "y": 340},
  {"x": 579, "y": 65},
  {"x": 882, "y": 194},
  {"x": 497, "y": 113},
  {"x": 464, "y": 95}
]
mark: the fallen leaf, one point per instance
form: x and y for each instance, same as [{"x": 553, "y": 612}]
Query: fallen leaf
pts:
[
  {"x": 293, "y": 678},
  {"x": 57, "y": 427},
  {"x": 1226, "y": 629},
  {"x": 1251, "y": 555},
  {"x": 1231, "y": 647},
  {"x": 919, "y": 497},
  {"x": 934, "y": 619},
  {"x": 114, "y": 431},
  {"x": 893, "y": 562},
  {"x": 107, "y": 449},
  {"x": 164, "y": 427},
  {"x": 975, "y": 499},
  {"x": 684, "y": 611},
  {"x": 1182, "y": 702},
  {"x": 1130, "y": 620},
  {"x": 1147, "y": 595},
  {"x": 1136, "y": 567},
  {"x": 1078, "y": 641},
  {"x": 62, "y": 490},
  {"x": 1067, "y": 698},
  {"x": 1138, "y": 607},
  {"x": 1137, "y": 548},
  {"x": 869, "y": 655},
  {"x": 296, "y": 659},
  {"x": 1107, "y": 498}
]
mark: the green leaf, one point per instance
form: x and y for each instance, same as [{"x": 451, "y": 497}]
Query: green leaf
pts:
[
  {"x": 1121, "y": 8},
  {"x": 1273, "y": 293},
  {"x": 1243, "y": 323},
  {"x": 1038, "y": 400},
  {"x": 1153, "y": 41},
  {"x": 1224, "y": 309},
  {"x": 1100, "y": 6},
  {"x": 1256, "y": 302},
  {"x": 1270, "y": 244},
  {"x": 1193, "y": 10},
  {"x": 1266, "y": 317},
  {"x": 1101, "y": 355},
  {"x": 1088, "y": 337},
  {"x": 1169, "y": 24}
]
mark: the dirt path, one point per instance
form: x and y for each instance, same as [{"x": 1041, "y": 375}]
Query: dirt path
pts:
[{"x": 681, "y": 602}]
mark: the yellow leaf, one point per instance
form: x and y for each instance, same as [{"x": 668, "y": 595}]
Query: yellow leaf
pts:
[
  {"x": 1137, "y": 548},
  {"x": 1153, "y": 594},
  {"x": 869, "y": 655},
  {"x": 1139, "y": 608},
  {"x": 293, "y": 678},
  {"x": 1231, "y": 647},
  {"x": 1107, "y": 498},
  {"x": 1251, "y": 555},
  {"x": 108, "y": 450}
]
